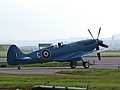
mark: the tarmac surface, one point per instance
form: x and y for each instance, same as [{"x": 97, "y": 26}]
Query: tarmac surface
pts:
[
  {"x": 2, "y": 59},
  {"x": 106, "y": 62}
]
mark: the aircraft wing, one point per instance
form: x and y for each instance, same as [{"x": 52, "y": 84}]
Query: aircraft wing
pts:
[
  {"x": 65, "y": 57},
  {"x": 78, "y": 55},
  {"x": 94, "y": 52}
]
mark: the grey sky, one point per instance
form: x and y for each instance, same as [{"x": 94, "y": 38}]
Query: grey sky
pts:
[{"x": 58, "y": 19}]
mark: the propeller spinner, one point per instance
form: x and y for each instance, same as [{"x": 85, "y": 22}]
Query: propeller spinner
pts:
[{"x": 100, "y": 42}]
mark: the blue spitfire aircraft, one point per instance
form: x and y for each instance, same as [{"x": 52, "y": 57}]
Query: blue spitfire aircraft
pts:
[{"x": 71, "y": 52}]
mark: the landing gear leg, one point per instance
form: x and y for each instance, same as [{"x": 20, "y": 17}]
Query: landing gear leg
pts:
[
  {"x": 73, "y": 64},
  {"x": 86, "y": 64},
  {"x": 19, "y": 67}
]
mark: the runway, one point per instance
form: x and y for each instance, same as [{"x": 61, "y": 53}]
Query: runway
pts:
[
  {"x": 2, "y": 59},
  {"x": 106, "y": 62}
]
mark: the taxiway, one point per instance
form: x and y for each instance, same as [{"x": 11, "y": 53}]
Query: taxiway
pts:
[{"x": 106, "y": 62}]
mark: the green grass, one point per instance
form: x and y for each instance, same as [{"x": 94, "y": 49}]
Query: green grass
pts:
[
  {"x": 49, "y": 64},
  {"x": 107, "y": 54},
  {"x": 3, "y": 54},
  {"x": 97, "y": 79},
  {"x": 114, "y": 54}
]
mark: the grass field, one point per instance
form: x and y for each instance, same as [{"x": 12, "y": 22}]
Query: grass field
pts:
[
  {"x": 3, "y": 54},
  {"x": 97, "y": 79},
  {"x": 114, "y": 54},
  {"x": 49, "y": 64}
]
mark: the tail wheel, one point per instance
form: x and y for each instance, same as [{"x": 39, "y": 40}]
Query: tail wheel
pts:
[
  {"x": 86, "y": 64},
  {"x": 19, "y": 67},
  {"x": 73, "y": 64}
]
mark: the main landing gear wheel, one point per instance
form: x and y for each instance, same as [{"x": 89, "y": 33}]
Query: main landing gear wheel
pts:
[
  {"x": 19, "y": 67},
  {"x": 73, "y": 64},
  {"x": 86, "y": 64}
]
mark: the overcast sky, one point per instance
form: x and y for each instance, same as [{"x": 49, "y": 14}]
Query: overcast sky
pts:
[{"x": 58, "y": 19}]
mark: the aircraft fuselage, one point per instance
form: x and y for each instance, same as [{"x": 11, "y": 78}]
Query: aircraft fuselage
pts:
[{"x": 49, "y": 54}]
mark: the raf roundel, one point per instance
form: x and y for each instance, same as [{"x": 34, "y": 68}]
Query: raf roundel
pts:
[{"x": 45, "y": 54}]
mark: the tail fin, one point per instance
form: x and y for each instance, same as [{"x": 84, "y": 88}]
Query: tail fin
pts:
[{"x": 12, "y": 54}]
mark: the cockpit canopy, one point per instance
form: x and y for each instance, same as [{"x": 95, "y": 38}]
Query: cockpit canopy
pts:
[{"x": 58, "y": 45}]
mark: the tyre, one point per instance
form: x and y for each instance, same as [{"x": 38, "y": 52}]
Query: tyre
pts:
[
  {"x": 73, "y": 64},
  {"x": 19, "y": 67},
  {"x": 86, "y": 64}
]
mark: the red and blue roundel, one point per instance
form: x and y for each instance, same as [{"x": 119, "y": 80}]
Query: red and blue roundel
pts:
[{"x": 45, "y": 54}]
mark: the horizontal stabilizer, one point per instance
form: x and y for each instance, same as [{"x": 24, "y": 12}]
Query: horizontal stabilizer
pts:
[{"x": 24, "y": 58}]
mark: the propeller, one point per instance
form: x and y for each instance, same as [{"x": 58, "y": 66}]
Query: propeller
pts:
[
  {"x": 100, "y": 42},
  {"x": 99, "y": 32},
  {"x": 103, "y": 45},
  {"x": 90, "y": 33},
  {"x": 98, "y": 54}
]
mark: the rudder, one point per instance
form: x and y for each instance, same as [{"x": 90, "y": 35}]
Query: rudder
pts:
[{"x": 13, "y": 53}]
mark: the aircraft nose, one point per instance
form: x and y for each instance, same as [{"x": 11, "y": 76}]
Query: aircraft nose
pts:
[{"x": 100, "y": 42}]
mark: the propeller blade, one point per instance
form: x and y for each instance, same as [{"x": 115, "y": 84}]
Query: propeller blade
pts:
[
  {"x": 104, "y": 45},
  {"x": 98, "y": 54},
  {"x": 90, "y": 33},
  {"x": 99, "y": 57},
  {"x": 97, "y": 48},
  {"x": 99, "y": 32}
]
